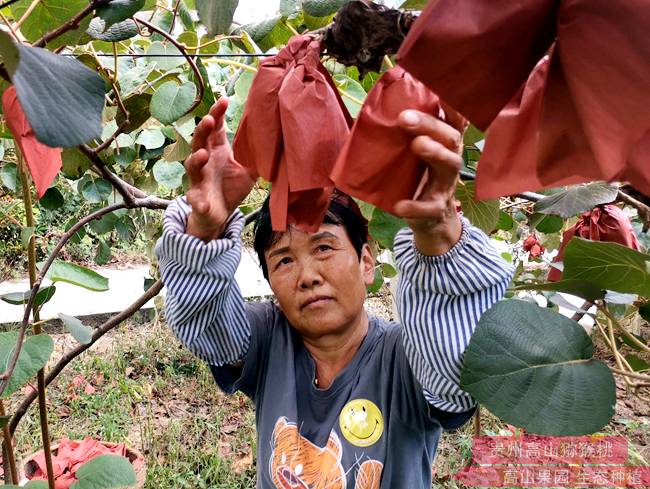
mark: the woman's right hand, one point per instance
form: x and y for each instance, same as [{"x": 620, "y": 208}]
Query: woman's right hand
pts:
[{"x": 218, "y": 184}]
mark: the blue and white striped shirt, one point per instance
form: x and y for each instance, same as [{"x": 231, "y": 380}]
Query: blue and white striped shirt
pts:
[{"x": 440, "y": 299}]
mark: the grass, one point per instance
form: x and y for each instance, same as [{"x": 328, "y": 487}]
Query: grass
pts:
[{"x": 154, "y": 395}]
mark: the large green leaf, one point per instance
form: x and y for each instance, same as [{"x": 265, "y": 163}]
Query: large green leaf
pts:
[
  {"x": 414, "y": 4},
  {"x": 216, "y": 16},
  {"x": 138, "y": 108},
  {"x": 484, "y": 214},
  {"x": 35, "y": 353},
  {"x": 52, "y": 199},
  {"x": 352, "y": 88},
  {"x": 151, "y": 138},
  {"x": 165, "y": 56},
  {"x": 267, "y": 33},
  {"x": 48, "y": 15},
  {"x": 581, "y": 288},
  {"x": 577, "y": 200},
  {"x": 75, "y": 163},
  {"x": 105, "y": 472},
  {"x": 9, "y": 176},
  {"x": 534, "y": 368},
  {"x": 61, "y": 271},
  {"x": 118, "y": 10},
  {"x": 384, "y": 226},
  {"x": 95, "y": 189},
  {"x": 29, "y": 485},
  {"x": 79, "y": 331},
  {"x": 117, "y": 32},
  {"x": 171, "y": 101},
  {"x": 169, "y": 174},
  {"x": 62, "y": 98},
  {"x": 43, "y": 295},
  {"x": 322, "y": 8},
  {"x": 610, "y": 266}
]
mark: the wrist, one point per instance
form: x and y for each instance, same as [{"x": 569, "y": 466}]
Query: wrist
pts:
[
  {"x": 438, "y": 239},
  {"x": 202, "y": 231}
]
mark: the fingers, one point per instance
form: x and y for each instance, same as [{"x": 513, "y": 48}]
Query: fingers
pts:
[
  {"x": 194, "y": 166},
  {"x": 202, "y": 133},
  {"x": 416, "y": 209},
  {"x": 218, "y": 112},
  {"x": 420, "y": 124},
  {"x": 436, "y": 154}
]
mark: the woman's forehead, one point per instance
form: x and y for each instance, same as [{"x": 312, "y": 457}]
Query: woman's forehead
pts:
[{"x": 296, "y": 236}]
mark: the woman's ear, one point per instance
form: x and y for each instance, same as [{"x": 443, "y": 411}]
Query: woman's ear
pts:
[{"x": 367, "y": 264}]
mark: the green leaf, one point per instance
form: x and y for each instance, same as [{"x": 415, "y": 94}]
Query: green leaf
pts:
[
  {"x": 79, "y": 331},
  {"x": 138, "y": 108},
  {"x": 534, "y": 368},
  {"x": 151, "y": 138},
  {"x": 322, "y": 8},
  {"x": 52, "y": 199},
  {"x": 577, "y": 200},
  {"x": 414, "y": 4},
  {"x": 79, "y": 235},
  {"x": 48, "y": 15},
  {"x": 505, "y": 222},
  {"x": 550, "y": 224},
  {"x": 377, "y": 283},
  {"x": 105, "y": 472},
  {"x": 61, "y": 271},
  {"x": 35, "y": 353},
  {"x": 75, "y": 163},
  {"x": 21, "y": 298},
  {"x": 208, "y": 95},
  {"x": 103, "y": 253},
  {"x": 609, "y": 266},
  {"x": 132, "y": 78},
  {"x": 169, "y": 174},
  {"x": 165, "y": 63},
  {"x": 118, "y": 10},
  {"x": 352, "y": 88},
  {"x": 485, "y": 214},
  {"x": 62, "y": 99},
  {"x": 267, "y": 33},
  {"x": 26, "y": 234},
  {"x": 171, "y": 101},
  {"x": 125, "y": 157},
  {"x": 580, "y": 288},
  {"x": 105, "y": 224},
  {"x": 177, "y": 151},
  {"x": 216, "y": 16},
  {"x": 637, "y": 364},
  {"x": 117, "y": 32},
  {"x": 289, "y": 7},
  {"x": 9, "y": 176},
  {"x": 384, "y": 226},
  {"x": 473, "y": 135},
  {"x": 96, "y": 190}
]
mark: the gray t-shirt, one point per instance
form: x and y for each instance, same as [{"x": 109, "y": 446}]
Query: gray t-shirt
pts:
[{"x": 371, "y": 428}]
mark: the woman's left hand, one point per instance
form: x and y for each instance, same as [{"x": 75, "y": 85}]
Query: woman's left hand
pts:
[{"x": 431, "y": 213}]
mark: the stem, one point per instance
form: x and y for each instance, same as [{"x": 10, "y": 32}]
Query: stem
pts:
[
  {"x": 643, "y": 210},
  {"x": 617, "y": 355},
  {"x": 31, "y": 253},
  {"x": 622, "y": 329},
  {"x": 153, "y": 291},
  {"x": 477, "y": 421},
  {"x": 9, "y": 447},
  {"x": 350, "y": 97},
  {"x": 227, "y": 62},
  {"x": 633, "y": 375},
  {"x": 14, "y": 33},
  {"x": 199, "y": 78},
  {"x": 175, "y": 10}
]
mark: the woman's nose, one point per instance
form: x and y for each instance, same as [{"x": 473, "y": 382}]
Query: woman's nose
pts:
[{"x": 310, "y": 275}]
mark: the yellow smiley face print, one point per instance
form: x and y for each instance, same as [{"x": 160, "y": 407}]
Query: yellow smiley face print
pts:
[{"x": 361, "y": 422}]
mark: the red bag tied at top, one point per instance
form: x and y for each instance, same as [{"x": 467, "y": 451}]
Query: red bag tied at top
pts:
[
  {"x": 580, "y": 115},
  {"x": 43, "y": 161},
  {"x": 604, "y": 223},
  {"x": 292, "y": 130},
  {"x": 376, "y": 163}
]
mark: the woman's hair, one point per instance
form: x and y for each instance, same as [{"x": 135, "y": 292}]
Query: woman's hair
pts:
[{"x": 342, "y": 211}]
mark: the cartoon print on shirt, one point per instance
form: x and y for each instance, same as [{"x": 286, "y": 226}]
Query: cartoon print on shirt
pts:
[{"x": 296, "y": 463}]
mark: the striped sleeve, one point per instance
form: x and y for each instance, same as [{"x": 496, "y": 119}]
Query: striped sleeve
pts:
[
  {"x": 440, "y": 300},
  {"x": 204, "y": 306}
]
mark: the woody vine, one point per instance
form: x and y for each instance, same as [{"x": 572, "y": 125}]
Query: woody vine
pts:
[{"x": 132, "y": 77}]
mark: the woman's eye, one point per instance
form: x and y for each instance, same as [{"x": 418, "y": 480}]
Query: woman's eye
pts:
[
  {"x": 324, "y": 248},
  {"x": 284, "y": 261}
]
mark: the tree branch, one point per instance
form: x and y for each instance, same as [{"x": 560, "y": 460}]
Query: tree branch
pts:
[
  {"x": 643, "y": 210},
  {"x": 70, "y": 25},
  {"x": 153, "y": 291}
]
